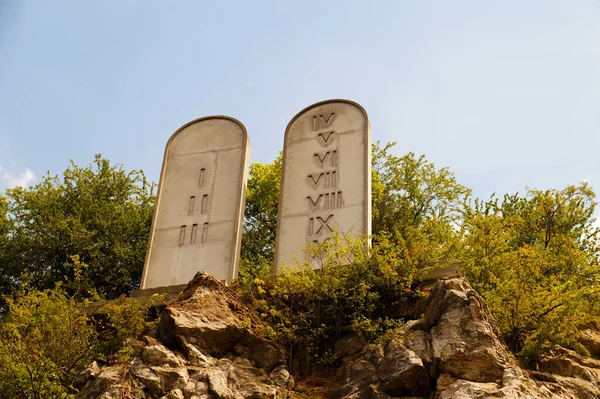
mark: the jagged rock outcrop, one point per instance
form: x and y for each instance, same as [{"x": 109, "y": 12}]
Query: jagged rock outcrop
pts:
[
  {"x": 455, "y": 351},
  {"x": 204, "y": 348},
  {"x": 590, "y": 338}
]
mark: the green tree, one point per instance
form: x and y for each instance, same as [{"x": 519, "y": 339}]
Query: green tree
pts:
[
  {"x": 415, "y": 205},
  {"x": 536, "y": 262},
  {"x": 310, "y": 310},
  {"x": 45, "y": 341},
  {"x": 260, "y": 220},
  {"x": 100, "y": 212},
  {"x": 418, "y": 204}
]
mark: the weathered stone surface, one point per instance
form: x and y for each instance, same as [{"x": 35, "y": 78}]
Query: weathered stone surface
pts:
[
  {"x": 196, "y": 357},
  {"x": 110, "y": 384},
  {"x": 281, "y": 377},
  {"x": 401, "y": 371},
  {"x": 205, "y": 321},
  {"x": 204, "y": 316},
  {"x": 462, "y": 389},
  {"x": 355, "y": 378},
  {"x": 158, "y": 355},
  {"x": 590, "y": 338},
  {"x": 217, "y": 384},
  {"x": 174, "y": 394},
  {"x": 403, "y": 366},
  {"x": 567, "y": 363},
  {"x": 91, "y": 371},
  {"x": 326, "y": 181},
  {"x": 198, "y": 216},
  {"x": 349, "y": 346},
  {"x": 262, "y": 353},
  {"x": 457, "y": 329},
  {"x": 376, "y": 372},
  {"x": 146, "y": 376}
]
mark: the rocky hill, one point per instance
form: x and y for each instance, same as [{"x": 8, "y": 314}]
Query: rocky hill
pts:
[{"x": 204, "y": 347}]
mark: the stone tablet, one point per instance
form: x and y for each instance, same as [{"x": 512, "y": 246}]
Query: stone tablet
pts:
[
  {"x": 197, "y": 222},
  {"x": 326, "y": 181}
]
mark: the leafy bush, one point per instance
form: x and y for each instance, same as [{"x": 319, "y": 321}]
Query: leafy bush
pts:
[
  {"x": 355, "y": 291},
  {"x": 47, "y": 338},
  {"x": 100, "y": 212},
  {"x": 123, "y": 320},
  {"x": 45, "y": 341},
  {"x": 535, "y": 260}
]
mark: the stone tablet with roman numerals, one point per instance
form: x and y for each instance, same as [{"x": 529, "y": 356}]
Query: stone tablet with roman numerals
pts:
[
  {"x": 326, "y": 181},
  {"x": 197, "y": 222}
]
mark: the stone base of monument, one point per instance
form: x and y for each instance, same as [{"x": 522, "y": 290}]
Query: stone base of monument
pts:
[
  {"x": 142, "y": 296},
  {"x": 437, "y": 271},
  {"x": 170, "y": 292}
]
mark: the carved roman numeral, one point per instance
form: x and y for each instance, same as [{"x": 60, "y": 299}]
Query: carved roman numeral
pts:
[
  {"x": 193, "y": 234},
  {"x": 321, "y": 122},
  {"x": 182, "y": 235},
  {"x": 315, "y": 182},
  {"x": 323, "y": 223},
  {"x": 326, "y": 138},
  {"x": 204, "y": 208},
  {"x": 201, "y": 177},
  {"x": 322, "y": 158},
  {"x": 192, "y": 204},
  {"x": 331, "y": 200},
  {"x": 329, "y": 179},
  {"x": 205, "y": 232},
  {"x": 312, "y": 203}
]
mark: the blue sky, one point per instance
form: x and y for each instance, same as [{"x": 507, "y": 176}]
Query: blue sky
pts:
[{"x": 506, "y": 94}]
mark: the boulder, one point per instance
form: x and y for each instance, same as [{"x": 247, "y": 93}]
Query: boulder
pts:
[
  {"x": 159, "y": 355},
  {"x": 203, "y": 350},
  {"x": 349, "y": 346},
  {"x": 457, "y": 330},
  {"x": 590, "y": 338},
  {"x": 401, "y": 372},
  {"x": 88, "y": 373}
]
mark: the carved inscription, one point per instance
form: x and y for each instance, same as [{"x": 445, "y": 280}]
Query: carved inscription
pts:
[
  {"x": 323, "y": 182},
  {"x": 322, "y": 122},
  {"x": 329, "y": 157},
  {"x": 201, "y": 177},
  {"x": 204, "y": 210},
  {"x": 331, "y": 200},
  {"x": 326, "y": 138},
  {"x": 182, "y": 235},
  {"x": 194, "y": 232},
  {"x": 321, "y": 223},
  {"x": 205, "y": 232},
  {"x": 192, "y": 204},
  {"x": 324, "y": 179},
  {"x": 205, "y": 203}
]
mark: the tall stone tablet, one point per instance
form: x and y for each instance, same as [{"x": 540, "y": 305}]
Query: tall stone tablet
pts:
[
  {"x": 197, "y": 222},
  {"x": 326, "y": 181}
]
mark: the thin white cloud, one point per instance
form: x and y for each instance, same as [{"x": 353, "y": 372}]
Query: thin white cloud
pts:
[{"x": 23, "y": 179}]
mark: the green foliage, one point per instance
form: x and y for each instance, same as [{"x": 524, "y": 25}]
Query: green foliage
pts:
[
  {"x": 45, "y": 341},
  {"x": 260, "y": 220},
  {"x": 418, "y": 203},
  {"x": 309, "y": 310},
  {"x": 415, "y": 203},
  {"x": 47, "y": 338},
  {"x": 123, "y": 320},
  {"x": 534, "y": 258},
  {"x": 100, "y": 212}
]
